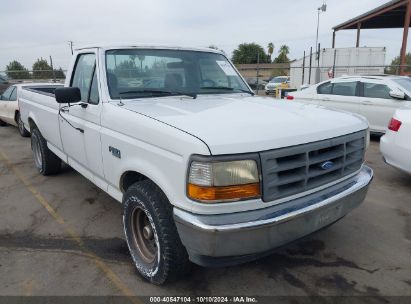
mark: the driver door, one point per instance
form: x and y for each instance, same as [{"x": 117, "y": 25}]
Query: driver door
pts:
[{"x": 83, "y": 147}]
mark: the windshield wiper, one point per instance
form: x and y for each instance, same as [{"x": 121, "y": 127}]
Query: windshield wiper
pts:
[
  {"x": 162, "y": 92},
  {"x": 227, "y": 88}
]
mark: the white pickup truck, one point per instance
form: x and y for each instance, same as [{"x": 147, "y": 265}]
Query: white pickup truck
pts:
[{"x": 206, "y": 171}]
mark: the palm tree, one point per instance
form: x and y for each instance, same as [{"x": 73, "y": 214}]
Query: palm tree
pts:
[
  {"x": 133, "y": 59},
  {"x": 141, "y": 58},
  {"x": 270, "y": 49},
  {"x": 282, "y": 54},
  {"x": 284, "y": 49}
]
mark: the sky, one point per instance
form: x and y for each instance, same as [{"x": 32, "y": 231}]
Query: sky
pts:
[{"x": 31, "y": 29}]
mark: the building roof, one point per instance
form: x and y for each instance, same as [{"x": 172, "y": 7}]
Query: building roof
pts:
[{"x": 388, "y": 15}]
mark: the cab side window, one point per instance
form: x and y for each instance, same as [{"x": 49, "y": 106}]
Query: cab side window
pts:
[
  {"x": 83, "y": 75},
  {"x": 325, "y": 88},
  {"x": 376, "y": 90}
]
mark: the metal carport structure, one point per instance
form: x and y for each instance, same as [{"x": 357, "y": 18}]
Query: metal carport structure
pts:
[{"x": 393, "y": 14}]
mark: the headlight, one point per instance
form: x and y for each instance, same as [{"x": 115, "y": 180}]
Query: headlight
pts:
[{"x": 223, "y": 181}]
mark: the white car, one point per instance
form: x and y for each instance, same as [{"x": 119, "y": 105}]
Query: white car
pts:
[
  {"x": 275, "y": 83},
  {"x": 374, "y": 97},
  {"x": 395, "y": 145},
  {"x": 9, "y": 104},
  {"x": 206, "y": 170}
]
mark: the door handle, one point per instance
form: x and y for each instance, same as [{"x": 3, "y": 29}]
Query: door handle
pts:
[{"x": 366, "y": 102}]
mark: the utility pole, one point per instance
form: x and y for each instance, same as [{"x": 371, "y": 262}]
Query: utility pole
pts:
[
  {"x": 52, "y": 69},
  {"x": 258, "y": 68},
  {"x": 322, "y": 8},
  {"x": 70, "y": 43}
]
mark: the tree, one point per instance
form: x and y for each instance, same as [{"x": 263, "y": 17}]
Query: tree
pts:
[
  {"x": 141, "y": 58},
  {"x": 270, "y": 49},
  {"x": 59, "y": 73},
  {"x": 127, "y": 69},
  {"x": 15, "y": 70},
  {"x": 247, "y": 53},
  {"x": 282, "y": 55},
  {"x": 42, "y": 70},
  {"x": 394, "y": 66}
]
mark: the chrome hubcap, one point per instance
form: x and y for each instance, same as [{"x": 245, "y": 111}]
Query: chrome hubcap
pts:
[
  {"x": 37, "y": 152},
  {"x": 144, "y": 236},
  {"x": 21, "y": 125}
]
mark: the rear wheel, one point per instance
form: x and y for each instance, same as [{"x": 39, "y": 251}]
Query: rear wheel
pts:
[
  {"x": 22, "y": 130},
  {"x": 151, "y": 234},
  {"x": 46, "y": 161}
]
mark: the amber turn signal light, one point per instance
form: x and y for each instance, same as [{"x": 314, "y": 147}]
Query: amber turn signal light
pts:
[{"x": 225, "y": 193}]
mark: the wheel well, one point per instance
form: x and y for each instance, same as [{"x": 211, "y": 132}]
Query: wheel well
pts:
[
  {"x": 130, "y": 177},
  {"x": 32, "y": 124},
  {"x": 15, "y": 115}
]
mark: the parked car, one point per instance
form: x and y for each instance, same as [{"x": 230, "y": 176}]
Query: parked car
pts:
[
  {"x": 277, "y": 82},
  {"x": 252, "y": 82},
  {"x": 205, "y": 170},
  {"x": 4, "y": 83},
  {"x": 374, "y": 97},
  {"x": 9, "y": 104},
  {"x": 395, "y": 145}
]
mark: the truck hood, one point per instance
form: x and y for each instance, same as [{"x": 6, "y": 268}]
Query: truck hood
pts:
[{"x": 238, "y": 123}]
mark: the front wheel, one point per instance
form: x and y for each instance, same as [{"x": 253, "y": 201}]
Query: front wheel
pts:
[
  {"x": 151, "y": 234},
  {"x": 22, "y": 130}
]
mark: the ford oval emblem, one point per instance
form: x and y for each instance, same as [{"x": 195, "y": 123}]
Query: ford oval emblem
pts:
[{"x": 327, "y": 165}]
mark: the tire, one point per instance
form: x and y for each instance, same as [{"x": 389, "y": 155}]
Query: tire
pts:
[
  {"x": 47, "y": 162},
  {"x": 2, "y": 123},
  {"x": 151, "y": 234},
  {"x": 22, "y": 130}
]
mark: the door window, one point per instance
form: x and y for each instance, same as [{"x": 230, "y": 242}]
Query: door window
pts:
[
  {"x": 376, "y": 90},
  {"x": 13, "y": 95},
  {"x": 325, "y": 88},
  {"x": 83, "y": 74},
  {"x": 345, "y": 88},
  {"x": 6, "y": 94}
]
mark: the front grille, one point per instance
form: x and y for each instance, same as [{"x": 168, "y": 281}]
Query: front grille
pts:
[{"x": 296, "y": 169}]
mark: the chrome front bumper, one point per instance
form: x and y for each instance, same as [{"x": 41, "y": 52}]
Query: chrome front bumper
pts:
[{"x": 213, "y": 240}]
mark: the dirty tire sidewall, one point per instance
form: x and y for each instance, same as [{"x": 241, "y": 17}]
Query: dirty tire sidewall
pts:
[
  {"x": 50, "y": 163},
  {"x": 36, "y": 140},
  {"x": 22, "y": 130},
  {"x": 146, "y": 270},
  {"x": 172, "y": 259}
]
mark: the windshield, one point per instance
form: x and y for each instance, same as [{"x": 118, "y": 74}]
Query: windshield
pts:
[
  {"x": 134, "y": 73},
  {"x": 278, "y": 80},
  {"x": 404, "y": 82}
]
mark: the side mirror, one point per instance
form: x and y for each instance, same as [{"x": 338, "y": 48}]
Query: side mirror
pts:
[
  {"x": 67, "y": 95},
  {"x": 397, "y": 94}
]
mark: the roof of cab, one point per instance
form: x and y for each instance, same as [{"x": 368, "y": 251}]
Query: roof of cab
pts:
[{"x": 147, "y": 46}]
